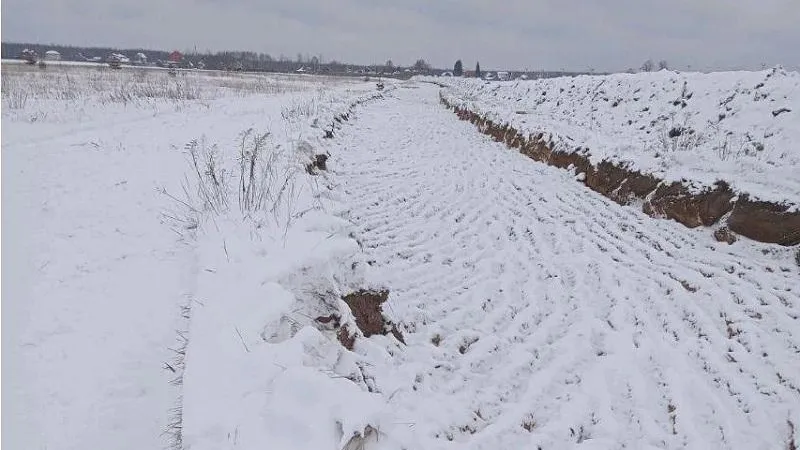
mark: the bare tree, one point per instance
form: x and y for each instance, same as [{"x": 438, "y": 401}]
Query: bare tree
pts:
[
  {"x": 663, "y": 64},
  {"x": 648, "y": 66},
  {"x": 421, "y": 65}
]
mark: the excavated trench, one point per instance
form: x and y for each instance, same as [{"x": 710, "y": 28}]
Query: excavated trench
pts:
[{"x": 761, "y": 221}]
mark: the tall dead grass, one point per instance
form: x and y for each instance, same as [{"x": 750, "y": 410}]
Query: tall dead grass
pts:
[
  {"x": 23, "y": 85},
  {"x": 261, "y": 187}
]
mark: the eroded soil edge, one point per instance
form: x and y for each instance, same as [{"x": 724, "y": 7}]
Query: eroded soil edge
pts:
[{"x": 761, "y": 221}]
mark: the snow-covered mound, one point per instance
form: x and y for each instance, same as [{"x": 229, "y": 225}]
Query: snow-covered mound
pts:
[
  {"x": 259, "y": 367},
  {"x": 740, "y": 127}
]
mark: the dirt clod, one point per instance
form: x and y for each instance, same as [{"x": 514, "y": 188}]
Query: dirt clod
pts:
[
  {"x": 318, "y": 163},
  {"x": 368, "y": 311},
  {"x": 724, "y": 234},
  {"x": 366, "y": 307},
  {"x": 347, "y": 339}
]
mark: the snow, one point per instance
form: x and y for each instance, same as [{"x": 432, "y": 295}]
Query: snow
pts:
[
  {"x": 56, "y": 63},
  {"x": 731, "y": 124},
  {"x": 257, "y": 369},
  {"x": 534, "y": 311},
  {"x": 539, "y": 313},
  {"x": 98, "y": 278}
]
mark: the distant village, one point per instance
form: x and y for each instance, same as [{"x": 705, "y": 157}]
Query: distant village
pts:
[
  {"x": 246, "y": 62},
  {"x": 114, "y": 60}
]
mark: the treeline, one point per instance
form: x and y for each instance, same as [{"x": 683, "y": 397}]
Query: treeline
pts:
[
  {"x": 225, "y": 60},
  {"x": 258, "y": 62}
]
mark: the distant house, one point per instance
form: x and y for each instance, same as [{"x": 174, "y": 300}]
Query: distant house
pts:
[
  {"x": 113, "y": 61},
  {"x": 489, "y": 76},
  {"x": 176, "y": 57},
  {"x": 503, "y": 76},
  {"x": 140, "y": 59},
  {"x": 116, "y": 60},
  {"x": 29, "y": 56},
  {"x": 119, "y": 58},
  {"x": 52, "y": 55}
]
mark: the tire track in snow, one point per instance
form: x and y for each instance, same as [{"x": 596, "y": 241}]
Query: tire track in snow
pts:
[{"x": 557, "y": 315}]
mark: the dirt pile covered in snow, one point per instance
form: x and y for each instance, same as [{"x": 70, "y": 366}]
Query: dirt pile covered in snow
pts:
[{"x": 682, "y": 173}]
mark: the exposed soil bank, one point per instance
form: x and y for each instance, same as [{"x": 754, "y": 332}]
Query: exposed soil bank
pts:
[
  {"x": 760, "y": 221},
  {"x": 366, "y": 307}
]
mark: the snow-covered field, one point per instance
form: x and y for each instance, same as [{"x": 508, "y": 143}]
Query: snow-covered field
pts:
[
  {"x": 95, "y": 279},
  {"x": 535, "y": 312},
  {"x": 740, "y": 127},
  {"x": 542, "y": 315}
]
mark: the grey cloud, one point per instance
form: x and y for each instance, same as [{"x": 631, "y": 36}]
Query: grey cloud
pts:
[{"x": 547, "y": 34}]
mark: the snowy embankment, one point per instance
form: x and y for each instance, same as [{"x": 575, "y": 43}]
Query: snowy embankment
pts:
[
  {"x": 273, "y": 264},
  {"x": 739, "y": 127},
  {"x": 95, "y": 166}
]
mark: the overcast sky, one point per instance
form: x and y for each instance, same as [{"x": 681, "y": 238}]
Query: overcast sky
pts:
[{"x": 606, "y": 35}]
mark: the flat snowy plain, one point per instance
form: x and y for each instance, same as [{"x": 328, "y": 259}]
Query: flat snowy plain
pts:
[
  {"x": 95, "y": 278},
  {"x": 536, "y": 313}
]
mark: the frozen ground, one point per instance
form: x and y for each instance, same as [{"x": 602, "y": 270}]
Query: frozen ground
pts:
[
  {"x": 542, "y": 314},
  {"x": 741, "y": 127},
  {"x": 535, "y": 312},
  {"x": 94, "y": 279}
]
